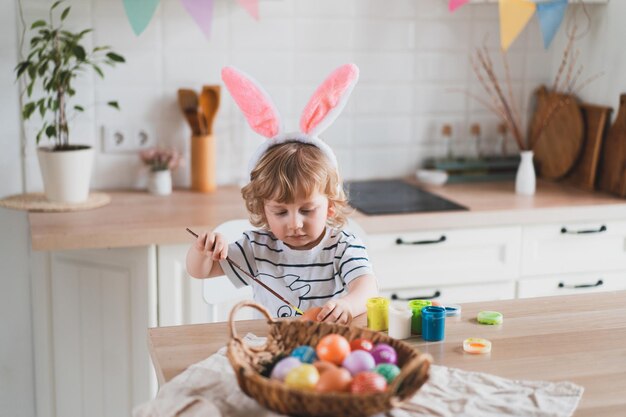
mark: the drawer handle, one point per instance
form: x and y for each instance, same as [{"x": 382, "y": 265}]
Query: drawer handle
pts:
[
  {"x": 581, "y": 232},
  {"x": 597, "y": 284},
  {"x": 399, "y": 241},
  {"x": 436, "y": 294}
]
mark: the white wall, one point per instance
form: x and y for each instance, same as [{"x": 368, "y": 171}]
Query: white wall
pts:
[
  {"x": 411, "y": 54},
  {"x": 16, "y": 352}
]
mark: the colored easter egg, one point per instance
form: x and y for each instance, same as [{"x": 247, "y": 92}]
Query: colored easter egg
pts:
[
  {"x": 304, "y": 377},
  {"x": 359, "y": 361},
  {"x": 368, "y": 382},
  {"x": 323, "y": 366},
  {"x": 334, "y": 380},
  {"x": 333, "y": 348},
  {"x": 311, "y": 314},
  {"x": 388, "y": 371},
  {"x": 361, "y": 344},
  {"x": 305, "y": 353},
  {"x": 383, "y": 353},
  {"x": 283, "y": 366}
]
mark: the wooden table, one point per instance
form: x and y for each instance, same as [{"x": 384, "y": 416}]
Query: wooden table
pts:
[{"x": 579, "y": 338}]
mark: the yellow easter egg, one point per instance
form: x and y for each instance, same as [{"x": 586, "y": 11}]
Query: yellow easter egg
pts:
[{"x": 304, "y": 377}]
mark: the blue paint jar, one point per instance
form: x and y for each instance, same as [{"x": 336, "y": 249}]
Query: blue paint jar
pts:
[{"x": 433, "y": 323}]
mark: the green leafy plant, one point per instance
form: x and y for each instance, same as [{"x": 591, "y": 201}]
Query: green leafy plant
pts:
[{"x": 55, "y": 59}]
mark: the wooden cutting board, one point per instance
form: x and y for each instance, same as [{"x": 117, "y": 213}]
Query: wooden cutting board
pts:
[
  {"x": 612, "y": 174},
  {"x": 560, "y": 142},
  {"x": 596, "y": 120}
]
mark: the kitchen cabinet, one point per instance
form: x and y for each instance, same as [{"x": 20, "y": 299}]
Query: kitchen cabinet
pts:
[
  {"x": 455, "y": 265},
  {"x": 564, "y": 284},
  {"x": 91, "y": 313}
]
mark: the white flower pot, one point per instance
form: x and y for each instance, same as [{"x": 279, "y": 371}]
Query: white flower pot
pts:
[
  {"x": 525, "y": 179},
  {"x": 66, "y": 174},
  {"x": 160, "y": 182}
]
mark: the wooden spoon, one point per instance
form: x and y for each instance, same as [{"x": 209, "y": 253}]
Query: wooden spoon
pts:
[
  {"x": 210, "y": 104},
  {"x": 188, "y": 103}
]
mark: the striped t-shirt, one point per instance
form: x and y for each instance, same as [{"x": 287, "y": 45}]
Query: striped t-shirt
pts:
[{"x": 305, "y": 278}]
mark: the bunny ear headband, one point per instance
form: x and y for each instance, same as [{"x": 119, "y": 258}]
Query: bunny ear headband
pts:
[{"x": 322, "y": 109}]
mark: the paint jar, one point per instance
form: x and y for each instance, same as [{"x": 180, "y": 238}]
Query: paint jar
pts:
[
  {"x": 377, "y": 313},
  {"x": 400, "y": 317},
  {"x": 416, "y": 307},
  {"x": 433, "y": 323}
]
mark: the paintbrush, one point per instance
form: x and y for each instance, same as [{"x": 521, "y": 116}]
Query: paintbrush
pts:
[{"x": 234, "y": 264}]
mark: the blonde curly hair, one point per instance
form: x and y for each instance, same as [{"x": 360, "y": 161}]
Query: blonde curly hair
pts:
[{"x": 291, "y": 170}]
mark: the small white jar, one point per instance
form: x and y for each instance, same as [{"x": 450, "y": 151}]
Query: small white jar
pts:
[
  {"x": 400, "y": 321},
  {"x": 160, "y": 182}
]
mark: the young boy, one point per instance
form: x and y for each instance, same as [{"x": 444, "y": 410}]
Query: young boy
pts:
[{"x": 296, "y": 198}]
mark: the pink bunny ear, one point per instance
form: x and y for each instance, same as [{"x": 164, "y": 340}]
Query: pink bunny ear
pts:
[
  {"x": 329, "y": 100},
  {"x": 255, "y": 104}
]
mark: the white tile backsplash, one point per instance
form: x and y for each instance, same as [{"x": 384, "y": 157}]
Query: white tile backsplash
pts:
[{"x": 413, "y": 58}]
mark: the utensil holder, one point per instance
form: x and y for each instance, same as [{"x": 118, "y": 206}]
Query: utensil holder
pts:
[{"x": 203, "y": 163}]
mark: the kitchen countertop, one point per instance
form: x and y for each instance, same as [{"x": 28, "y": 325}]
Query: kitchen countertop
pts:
[
  {"x": 578, "y": 338},
  {"x": 136, "y": 218}
]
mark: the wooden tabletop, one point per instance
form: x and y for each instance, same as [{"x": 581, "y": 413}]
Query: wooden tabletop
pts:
[
  {"x": 578, "y": 338},
  {"x": 136, "y": 218}
]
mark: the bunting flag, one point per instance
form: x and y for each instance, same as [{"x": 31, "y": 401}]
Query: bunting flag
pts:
[
  {"x": 251, "y": 6},
  {"x": 455, "y": 4},
  {"x": 139, "y": 13},
  {"x": 550, "y": 18},
  {"x": 202, "y": 13},
  {"x": 514, "y": 16}
]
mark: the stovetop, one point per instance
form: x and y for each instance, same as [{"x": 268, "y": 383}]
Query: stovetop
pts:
[{"x": 394, "y": 196}]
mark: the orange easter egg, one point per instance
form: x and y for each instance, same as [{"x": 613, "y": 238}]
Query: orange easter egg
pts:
[
  {"x": 311, "y": 314},
  {"x": 334, "y": 380},
  {"x": 333, "y": 348},
  {"x": 323, "y": 366}
]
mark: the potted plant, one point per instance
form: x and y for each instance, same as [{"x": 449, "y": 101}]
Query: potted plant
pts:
[
  {"x": 55, "y": 60},
  {"x": 160, "y": 161}
]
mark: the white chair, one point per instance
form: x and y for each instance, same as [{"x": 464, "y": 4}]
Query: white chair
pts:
[{"x": 219, "y": 292}]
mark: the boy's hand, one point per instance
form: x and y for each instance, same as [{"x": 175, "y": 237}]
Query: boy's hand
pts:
[
  {"x": 336, "y": 311},
  {"x": 212, "y": 245}
]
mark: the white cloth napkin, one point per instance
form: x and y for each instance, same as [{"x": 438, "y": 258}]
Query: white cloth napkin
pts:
[{"x": 209, "y": 388}]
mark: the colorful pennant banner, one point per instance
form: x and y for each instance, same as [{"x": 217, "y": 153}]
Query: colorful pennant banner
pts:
[
  {"x": 202, "y": 13},
  {"x": 455, "y": 4},
  {"x": 550, "y": 17},
  {"x": 140, "y": 12},
  {"x": 515, "y": 15}
]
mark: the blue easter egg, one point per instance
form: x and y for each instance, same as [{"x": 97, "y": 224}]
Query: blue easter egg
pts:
[{"x": 305, "y": 353}]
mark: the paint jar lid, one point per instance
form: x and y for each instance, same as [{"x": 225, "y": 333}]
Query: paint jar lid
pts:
[
  {"x": 417, "y": 305},
  {"x": 490, "y": 317},
  {"x": 453, "y": 310},
  {"x": 476, "y": 345},
  {"x": 433, "y": 312}
]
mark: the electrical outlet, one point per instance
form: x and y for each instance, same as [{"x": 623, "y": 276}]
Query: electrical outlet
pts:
[
  {"x": 116, "y": 140},
  {"x": 144, "y": 138}
]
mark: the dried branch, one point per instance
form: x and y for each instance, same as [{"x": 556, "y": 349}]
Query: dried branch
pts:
[
  {"x": 568, "y": 47},
  {"x": 507, "y": 74}
]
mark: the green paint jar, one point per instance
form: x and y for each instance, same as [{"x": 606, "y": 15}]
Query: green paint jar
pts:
[{"x": 416, "y": 321}]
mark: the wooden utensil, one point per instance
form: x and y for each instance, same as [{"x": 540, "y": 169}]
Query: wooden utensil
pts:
[
  {"x": 596, "y": 121},
  {"x": 559, "y": 144},
  {"x": 252, "y": 277},
  {"x": 210, "y": 104},
  {"x": 612, "y": 173},
  {"x": 188, "y": 103}
]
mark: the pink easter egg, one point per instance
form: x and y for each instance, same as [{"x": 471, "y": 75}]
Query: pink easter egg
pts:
[
  {"x": 359, "y": 361},
  {"x": 283, "y": 366},
  {"x": 368, "y": 382},
  {"x": 383, "y": 353}
]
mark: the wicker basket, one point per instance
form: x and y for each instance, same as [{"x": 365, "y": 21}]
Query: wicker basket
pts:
[{"x": 249, "y": 363}]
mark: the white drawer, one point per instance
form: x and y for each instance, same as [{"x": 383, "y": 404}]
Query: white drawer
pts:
[
  {"x": 445, "y": 257},
  {"x": 498, "y": 290},
  {"x": 571, "y": 284},
  {"x": 578, "y": 247}
]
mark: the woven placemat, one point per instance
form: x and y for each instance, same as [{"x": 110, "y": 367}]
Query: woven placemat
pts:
[{"x": 38, "y": 202}]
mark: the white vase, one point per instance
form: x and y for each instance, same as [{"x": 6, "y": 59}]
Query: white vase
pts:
[
  {"x": 66, "y": 174},
  {"x": 160, "y": 182},
  {"x": 525, "y": 180}
]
